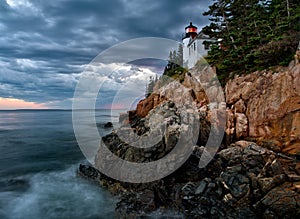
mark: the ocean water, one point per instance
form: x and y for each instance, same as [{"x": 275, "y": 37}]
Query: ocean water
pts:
[{"x": 38, "y": 163}]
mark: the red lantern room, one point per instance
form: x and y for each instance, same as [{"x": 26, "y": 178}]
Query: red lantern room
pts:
[{"x": 191, "y": 31}]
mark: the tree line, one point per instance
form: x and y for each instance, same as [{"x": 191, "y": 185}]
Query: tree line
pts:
[{"x": 252, "y": 34}]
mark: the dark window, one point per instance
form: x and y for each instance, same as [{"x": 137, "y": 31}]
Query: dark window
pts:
[{"x": 206, "y": 46}]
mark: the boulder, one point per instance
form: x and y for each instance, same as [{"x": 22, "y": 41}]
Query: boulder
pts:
[{"x": 108, "y": 125}]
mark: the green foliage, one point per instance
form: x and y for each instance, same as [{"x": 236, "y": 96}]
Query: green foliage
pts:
[
  {"x": 175, "y": 72},
  {"x": 150, "y": 85},
  {"x": 255, "y": 34},
  {"x": 176, "y": 56}
]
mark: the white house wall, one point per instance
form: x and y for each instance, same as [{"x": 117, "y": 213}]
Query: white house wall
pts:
[
  {"x": 193, "y": 52},
  {"x": 185, "y": 52}
]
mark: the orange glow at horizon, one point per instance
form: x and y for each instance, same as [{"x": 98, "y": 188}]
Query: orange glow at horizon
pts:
[
  {"x": 115, "y": 106},
  {"x": 12, "y": 103}
]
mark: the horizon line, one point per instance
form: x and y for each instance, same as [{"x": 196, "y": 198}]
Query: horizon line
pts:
[{"x": 58, "y": 109}]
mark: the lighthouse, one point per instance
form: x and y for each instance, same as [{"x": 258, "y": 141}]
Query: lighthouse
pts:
[
  {"x": 195, "y": 45},
  {"x": 191, "y": 32}
]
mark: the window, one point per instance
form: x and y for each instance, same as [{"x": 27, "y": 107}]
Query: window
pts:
[
  {"x": 195, "y": 46},
  {"x": 206, "y": 45}
]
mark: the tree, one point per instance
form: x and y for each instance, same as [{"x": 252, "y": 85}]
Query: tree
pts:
[
  {"x": 150, "y": 85},
  {"x": 176, "y": 56},
  {"x": 179, "y": 58},
  {"x": 254, "y": 34}
]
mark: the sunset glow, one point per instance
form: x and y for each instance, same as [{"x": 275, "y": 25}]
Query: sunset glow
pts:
[{"x": 12, "y": 103}]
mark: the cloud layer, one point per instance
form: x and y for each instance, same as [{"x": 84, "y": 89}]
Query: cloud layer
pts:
[{"x": 45, "y": 45}]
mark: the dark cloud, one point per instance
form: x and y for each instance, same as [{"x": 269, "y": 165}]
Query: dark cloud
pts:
[{"x": 44, "y": 45}]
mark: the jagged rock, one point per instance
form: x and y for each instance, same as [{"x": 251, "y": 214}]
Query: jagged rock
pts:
[
  {"x": 188, "y": 188},
  {"x": 229, "y": 199},
  {"x": 239, "y": 106},
  {"x": 243, "y": 143},
  {"x": 268, "y": 214},
  {"x": 243, "y": 177},
  {"x": 272, "y": 107},
  {"x": 266, "y": 184},
  {"x": 201, "y": 187},
  {"x": 241, "y": 125},
  {"x": 237, "y": 184},
  {"x": 144, "y": 106},
  {"x": 89, "y": 172},
  {"x": 293, "y": 177},
  {"x": 275, "y": 168},
  {"x": 232, "y": 155},
  {"x": 108, "y": 125},
  {"x": 147, "y": 200},
  {"x": 282, "y": 200}
]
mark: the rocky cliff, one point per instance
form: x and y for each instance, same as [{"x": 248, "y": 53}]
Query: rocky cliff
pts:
[
  {"x": 265, "y": 106},
  {"x": 254, "y": 174}
]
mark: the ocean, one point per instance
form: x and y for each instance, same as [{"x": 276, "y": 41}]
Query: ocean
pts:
[{"x": 38, "y": 164}]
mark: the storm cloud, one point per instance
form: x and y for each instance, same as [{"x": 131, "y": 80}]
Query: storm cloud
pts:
[{"x": 45, "y": 45}]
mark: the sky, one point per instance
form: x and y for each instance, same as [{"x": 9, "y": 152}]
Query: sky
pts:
[{"x": 46, "y": 46}]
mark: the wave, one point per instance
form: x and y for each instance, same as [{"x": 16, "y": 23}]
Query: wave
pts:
[
  {"x": 17, "y": 184},
  {"x": 58, "y": 194}
]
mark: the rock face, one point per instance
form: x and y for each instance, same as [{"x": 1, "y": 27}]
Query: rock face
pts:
[
  {"x": 144, "y": 106},
  {"x": 196, "y": 90},
  {"x": 256, "y": 175},
  {"x": 163, "y": 120},
  {"x": 265, "y": 107}
]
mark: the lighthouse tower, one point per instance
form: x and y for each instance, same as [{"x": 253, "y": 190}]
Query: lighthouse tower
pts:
[
  {"x": 195, "y": 46},
  {"x": 191, "y": 32}
]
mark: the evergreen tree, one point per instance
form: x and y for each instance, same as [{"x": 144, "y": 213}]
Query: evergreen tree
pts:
[
  {"x": 253, "y": 34},
  {"x": 176, "y": 56},
  {"x": 179, "y": 57},
  {"x": 150, "y": 85}
]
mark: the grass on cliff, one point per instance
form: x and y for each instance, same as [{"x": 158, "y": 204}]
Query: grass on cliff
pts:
[{"x": 177, "y": 73}]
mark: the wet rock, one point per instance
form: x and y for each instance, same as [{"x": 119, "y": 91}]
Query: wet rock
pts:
[
  {"x": 146, "y": 199},
  {"x": 108, "y": 125},
  {"x": 88, "y": 172}
]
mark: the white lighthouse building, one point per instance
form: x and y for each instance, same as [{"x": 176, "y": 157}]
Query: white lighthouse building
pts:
[{"x": 195, "y": 45}]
